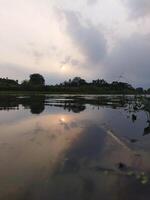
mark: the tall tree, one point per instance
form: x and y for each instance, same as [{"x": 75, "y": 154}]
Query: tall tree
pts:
[{"x": 37, "y": 79}]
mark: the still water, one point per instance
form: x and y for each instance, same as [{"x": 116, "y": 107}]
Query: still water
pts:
[{"x": 74, "y": 148}]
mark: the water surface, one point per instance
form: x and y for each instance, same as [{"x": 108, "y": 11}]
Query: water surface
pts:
[{"x": 74, "y": 147}]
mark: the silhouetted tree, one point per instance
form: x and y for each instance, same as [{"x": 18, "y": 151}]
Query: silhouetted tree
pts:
[
  {"x": 140, "y": 90},
  {"x": 8, "y": 82},
  {"x": 148, "y": 91},
  {"x": 99, "y": 82},
  {"x": 25, "y": 83},
  {"x": 121, "y": 85},
  {"x": 77, "y": 81},
  {"x": 37, "y": 79}
]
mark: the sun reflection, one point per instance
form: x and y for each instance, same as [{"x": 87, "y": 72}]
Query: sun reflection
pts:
[{"x": 62, "y": 119}]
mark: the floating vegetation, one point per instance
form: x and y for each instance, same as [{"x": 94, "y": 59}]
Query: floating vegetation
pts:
[
  {"x": 145, "y": 180},
  {"x": 142, "y": 177},
  {"x": 130, "y": 173}
]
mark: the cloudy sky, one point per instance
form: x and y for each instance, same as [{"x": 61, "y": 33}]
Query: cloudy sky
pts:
[{"x": 65, "y": 38}]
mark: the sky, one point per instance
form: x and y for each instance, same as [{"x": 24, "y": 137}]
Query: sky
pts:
[{"x": 61, "y": 39}]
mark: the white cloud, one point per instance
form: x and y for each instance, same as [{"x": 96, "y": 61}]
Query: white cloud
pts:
[
  {"x": 92, "y": 2},
  {"x": 34, "y": 39}
]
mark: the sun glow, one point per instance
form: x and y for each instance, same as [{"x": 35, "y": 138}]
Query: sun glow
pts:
[
  {"x": 64, "y": 69},
  {"x": 62, "y": 119}
]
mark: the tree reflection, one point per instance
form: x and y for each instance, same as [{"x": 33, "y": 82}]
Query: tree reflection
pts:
[
  {"x": 147, "y": 130},
  {"x": 76, "y": 104},
  {"x": 36, "y": 104}
]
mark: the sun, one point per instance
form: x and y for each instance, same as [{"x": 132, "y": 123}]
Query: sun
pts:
[{"x": 63, "y": 68}]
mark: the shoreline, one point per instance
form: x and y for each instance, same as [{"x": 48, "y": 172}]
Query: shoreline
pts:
[{"x": 65, "y": 93}]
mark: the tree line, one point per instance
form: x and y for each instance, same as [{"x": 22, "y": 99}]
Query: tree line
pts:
[{"x": 36, "y": 82}]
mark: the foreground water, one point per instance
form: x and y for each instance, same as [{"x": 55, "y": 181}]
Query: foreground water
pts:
[{"x": 74, "y": 148}]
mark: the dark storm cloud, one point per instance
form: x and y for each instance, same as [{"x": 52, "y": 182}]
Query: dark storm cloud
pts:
[
  {"x": 138, "y": 8},
  {"x": 131, "y": 57},
  {"x": 87, "y": 38}
]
